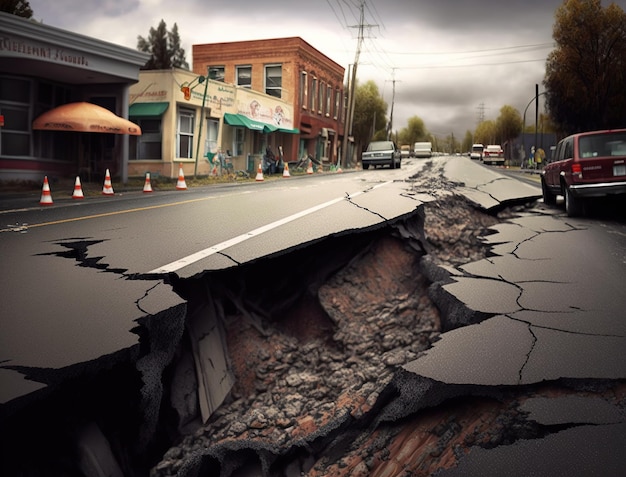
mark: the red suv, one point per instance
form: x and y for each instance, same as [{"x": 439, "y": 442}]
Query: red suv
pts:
[{"x": 589, "y": 164}]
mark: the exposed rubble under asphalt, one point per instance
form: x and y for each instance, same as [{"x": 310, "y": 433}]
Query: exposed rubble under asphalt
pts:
[
  {"x": 319, "y": 389},
  {"x": 316, "y": 340}
]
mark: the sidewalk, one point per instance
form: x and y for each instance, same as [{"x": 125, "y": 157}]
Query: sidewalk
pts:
[{"x": 26, "y": 194}]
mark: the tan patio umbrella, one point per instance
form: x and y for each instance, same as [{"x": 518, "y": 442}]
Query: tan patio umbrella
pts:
[{"x": 85, "y": 117}]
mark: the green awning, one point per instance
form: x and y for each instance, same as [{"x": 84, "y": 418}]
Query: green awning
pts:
[
  {"x": 290, "y": 131},
  {"x": 147, "y": 109},
  {"x": 243, "y": 121}
]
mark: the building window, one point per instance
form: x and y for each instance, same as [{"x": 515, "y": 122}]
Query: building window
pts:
[
  {"x": 216, "y": 73},
  {"x": 212, "y": 128},
  {"x": 244, "y": 76},
  {"x": 239, "y": 141},
  {"x": 313, "y": 95},
  {"x": 329, "y": 100},
  {"x": 15, "y": 106},
  {"x": 184, "y": 134},
  {"x": 149, "y": 144},
  {"x": 274, "y": 80},
  {"x": 304, "y": 90},
  {"x": 337, "y": 104},
  {"x": 320, "y": 98},
  {"x": 51, "y": 144}
]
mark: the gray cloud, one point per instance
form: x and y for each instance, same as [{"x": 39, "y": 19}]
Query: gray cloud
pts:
[{"x": 448, "y": 57}]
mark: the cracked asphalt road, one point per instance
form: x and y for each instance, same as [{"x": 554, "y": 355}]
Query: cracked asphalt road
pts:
[{"x": 473, "y": 332}]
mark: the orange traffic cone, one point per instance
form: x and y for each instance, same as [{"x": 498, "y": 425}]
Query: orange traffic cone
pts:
[
  {"x": 338, "y": 170},
  {"x": 146, "y": 186},
  {"x": 309, "y": 169},
  {"x": 259, "y": 174},
  {"x": 107, "y": 189},
  {"x": 78, "y": 190},
  {"x": 181, "y": 184},
  {"x": 286, "y": 171},
  {"x": 46, "y": 197}
]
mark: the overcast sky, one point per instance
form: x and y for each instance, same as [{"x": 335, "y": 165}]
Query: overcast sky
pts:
[{"x": 450, "y": 62}]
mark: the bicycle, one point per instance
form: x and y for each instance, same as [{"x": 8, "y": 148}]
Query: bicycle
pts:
[{"x": 230, "y": 171}]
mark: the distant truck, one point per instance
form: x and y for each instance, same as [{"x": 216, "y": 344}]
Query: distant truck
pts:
[
  {"x": 423, "y": 149},
  {"x": 477, "y": 152},
  {"x": 405, "y": 151}
]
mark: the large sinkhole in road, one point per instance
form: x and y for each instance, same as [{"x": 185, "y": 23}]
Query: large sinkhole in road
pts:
[
  {"x": 292, "y": 365},
  {"x": 314, "y": 336}
]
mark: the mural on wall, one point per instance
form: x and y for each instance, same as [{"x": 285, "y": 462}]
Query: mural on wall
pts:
[
  {"x": 265, "y": 109},
  {"x": 220, "y": 96},
  {"x": 156, "y": 86}
]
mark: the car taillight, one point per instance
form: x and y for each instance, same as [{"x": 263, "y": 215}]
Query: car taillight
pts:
[{"x": 577, "y": 171}]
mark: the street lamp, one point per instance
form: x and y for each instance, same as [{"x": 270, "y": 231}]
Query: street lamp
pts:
[
  {"x": 535, "y": 98},
  {"x": 187, "y": 88}
]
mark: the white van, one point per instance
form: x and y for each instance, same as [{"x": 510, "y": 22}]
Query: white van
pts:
[
  {"x": 423, "y": 149},
  {"x": 477, "y": 152}
]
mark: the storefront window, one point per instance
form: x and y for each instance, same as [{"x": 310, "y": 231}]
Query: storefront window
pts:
[
  {"x": 149, "y": 144},
  {"x": 15, "y": 107},
  {"x": 212, "y": 128},
  {"x": 184, "y": 134},
  {"x": 239, "y": 142}
]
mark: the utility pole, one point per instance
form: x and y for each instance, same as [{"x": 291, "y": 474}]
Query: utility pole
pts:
[
  {"x": 481, "y": 112},
  {"x": 393, "y": 97},
  {"x": 352, "y": 86}
]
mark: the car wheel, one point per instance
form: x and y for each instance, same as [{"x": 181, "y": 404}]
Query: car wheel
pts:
[
  {"x": 366, "y": 166},
  {"x": 548, "y": 197},
  {"x": 392, "y": 164},
  {"x": 573, "y": 205}
]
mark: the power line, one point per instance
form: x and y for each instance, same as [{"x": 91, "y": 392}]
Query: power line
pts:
[
  {"x": 429, "y": 67},
  {"x": 457, "y": 52}
]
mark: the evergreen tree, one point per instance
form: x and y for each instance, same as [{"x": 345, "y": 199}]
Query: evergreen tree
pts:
[
  {"x": 21, "y": 8},
  {"x": 164, "y": 48}
]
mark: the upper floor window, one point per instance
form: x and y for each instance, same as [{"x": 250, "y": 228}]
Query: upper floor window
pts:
[
  {"x": 313, "y": 95},
  {"x": 216, "y": 73},
  {"x": 304, "y": 89},
  {"x": 274, "y": 80},
  {"x": 320, "y": 98},
  {"x": 329, "y": 100},
  {"x": 337, "y": 107},
  {"x": 244, "y": 76}
]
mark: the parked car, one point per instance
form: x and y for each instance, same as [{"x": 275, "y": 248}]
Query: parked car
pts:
[
  {"x": 423, "y": 149},
  {"x": 381, "y": 153},
  {"x": 477, "y": 152},
  {"x": 493, "y": 154},
  {"x": 589, "y": 164}
]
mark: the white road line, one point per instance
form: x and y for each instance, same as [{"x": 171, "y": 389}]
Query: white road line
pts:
[{"x": 195, "y": 257}]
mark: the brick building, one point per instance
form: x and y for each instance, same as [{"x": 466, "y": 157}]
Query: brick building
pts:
[{"x": 290, "y": 69}]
